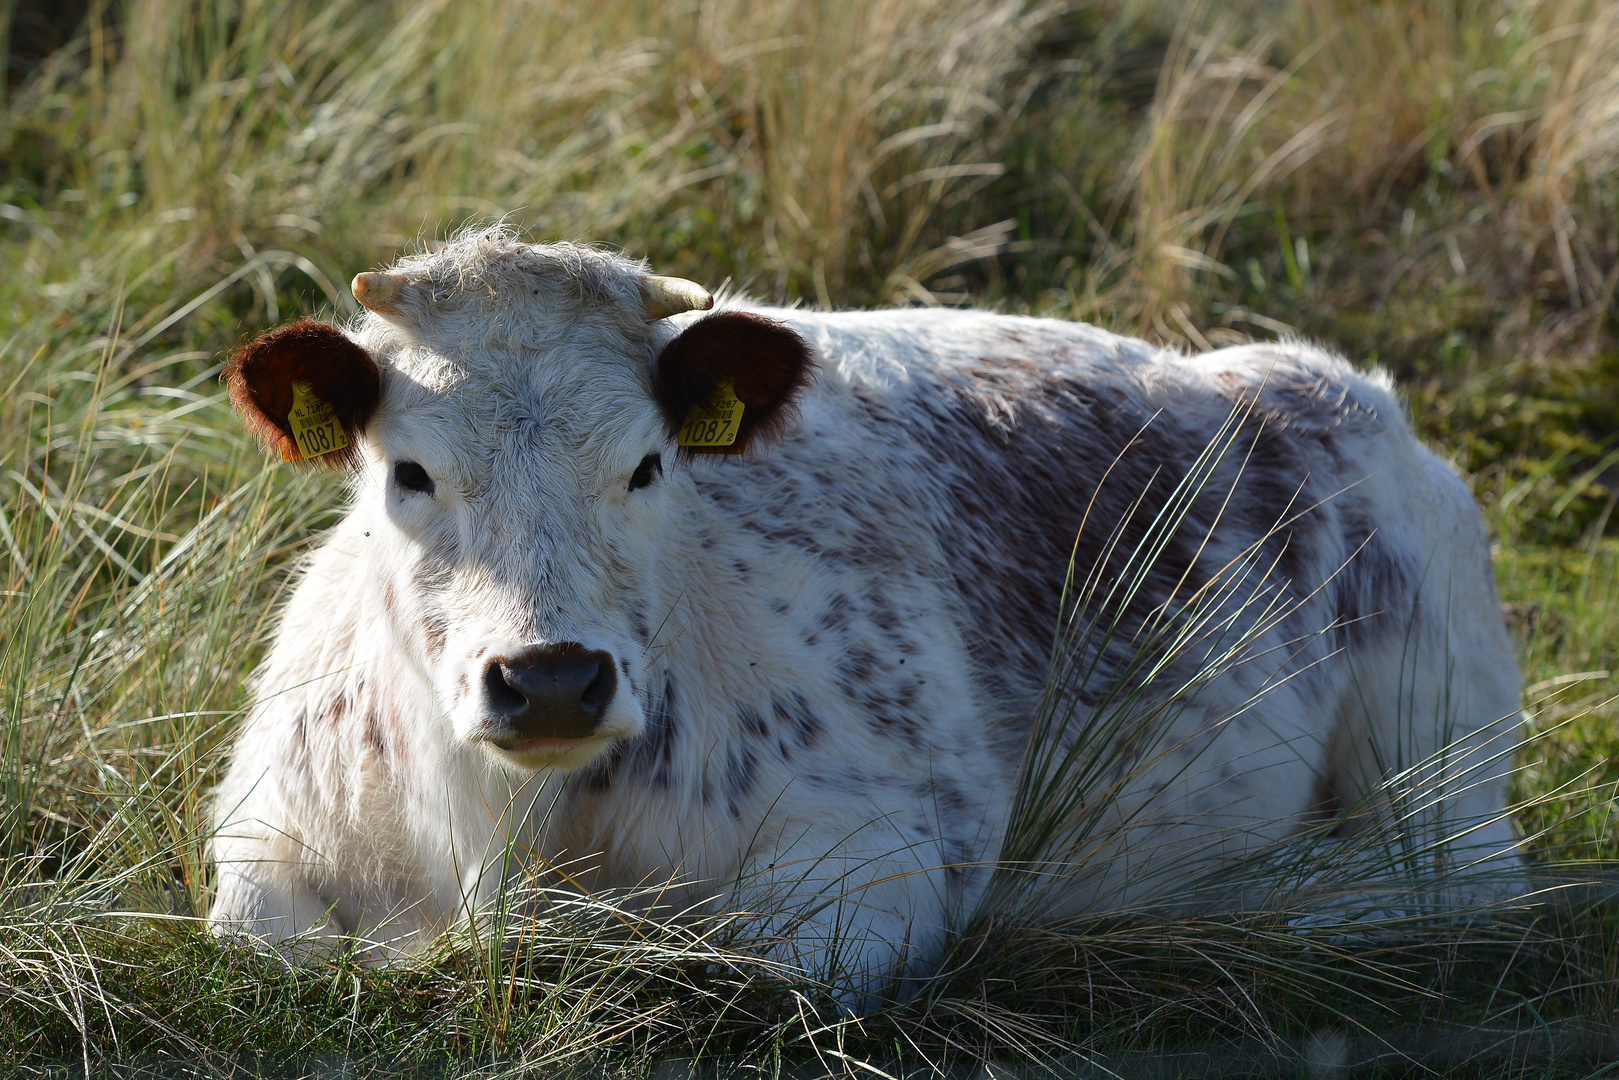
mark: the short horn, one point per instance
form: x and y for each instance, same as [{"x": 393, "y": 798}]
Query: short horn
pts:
[
  {"x": 379, "y": 291},
  {"x": 666, "y": 296}
]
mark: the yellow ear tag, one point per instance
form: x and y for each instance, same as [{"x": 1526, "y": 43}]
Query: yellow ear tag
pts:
[
  {"x": 716, "y": 425},
  {"x": 314, "y": 425}
]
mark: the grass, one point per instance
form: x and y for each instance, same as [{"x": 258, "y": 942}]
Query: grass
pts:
[{"x": 184, "y": 174}]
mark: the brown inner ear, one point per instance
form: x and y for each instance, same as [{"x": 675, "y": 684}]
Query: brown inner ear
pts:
[
  {"x": 766, "y": 362},
  {"x": 261, "y": 373}
]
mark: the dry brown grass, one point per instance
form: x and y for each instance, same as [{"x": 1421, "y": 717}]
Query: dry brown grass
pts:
[
  {"x": 804, "y": 149},
  {"x": 1487, "y": 132}
]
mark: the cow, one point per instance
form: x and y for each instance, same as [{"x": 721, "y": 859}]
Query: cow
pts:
[{"x": 765, "y": 604}]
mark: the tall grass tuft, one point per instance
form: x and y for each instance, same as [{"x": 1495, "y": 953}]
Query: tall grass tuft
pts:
[{"x": 804, "y": 151}]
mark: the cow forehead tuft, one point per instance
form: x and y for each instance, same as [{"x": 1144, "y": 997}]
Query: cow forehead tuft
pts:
[
  {"x": 487, "y": 308},
  {"x": 489, "y": 269}
]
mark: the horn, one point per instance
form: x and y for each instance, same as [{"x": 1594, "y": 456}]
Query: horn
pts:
[
  {"x": 379, "y": 291},
  {"x": 666, "y": 296}
]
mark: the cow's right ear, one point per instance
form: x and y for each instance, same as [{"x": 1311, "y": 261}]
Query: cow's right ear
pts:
[{"x": 311, "y": 367}]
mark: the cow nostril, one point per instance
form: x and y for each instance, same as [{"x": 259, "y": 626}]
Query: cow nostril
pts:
[
  {"x": 559, "y": 691},
  {"x": 600, "y": 690},
  {"x": 503, "y": 697}
]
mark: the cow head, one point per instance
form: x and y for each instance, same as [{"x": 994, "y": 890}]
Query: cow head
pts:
[{"x": 510, "y": 415}]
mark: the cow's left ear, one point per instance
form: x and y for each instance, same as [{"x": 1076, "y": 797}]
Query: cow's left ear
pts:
[
  {"x": 306, "y": 390},
  {"x": 766, "y": 364}
]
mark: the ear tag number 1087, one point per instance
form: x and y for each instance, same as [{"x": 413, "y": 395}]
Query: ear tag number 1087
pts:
[
  {"x": 314, "y": 425},
  {"x": 718, "y": 423}
]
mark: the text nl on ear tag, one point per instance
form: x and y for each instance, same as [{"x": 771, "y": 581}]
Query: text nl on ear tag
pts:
[
  {"x": 716, "y": 424},
  {"x": 314, "y": 426}
]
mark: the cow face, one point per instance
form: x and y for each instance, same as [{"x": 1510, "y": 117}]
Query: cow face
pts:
[{"x": 510, "y": 416}]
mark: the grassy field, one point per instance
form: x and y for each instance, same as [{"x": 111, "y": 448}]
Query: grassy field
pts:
[{"x": 1431, "y": 187}]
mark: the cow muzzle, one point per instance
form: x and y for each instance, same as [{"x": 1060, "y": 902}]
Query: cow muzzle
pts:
[{"x": 548, "y": 695}]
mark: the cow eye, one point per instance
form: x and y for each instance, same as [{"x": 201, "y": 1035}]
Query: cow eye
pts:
[
  {"x": 651, "y": 468},
  {"x": 412, "y": 477}
]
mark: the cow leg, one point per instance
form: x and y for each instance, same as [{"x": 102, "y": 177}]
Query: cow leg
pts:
[
  {"x": 866, "y": 957},
  {"x": 1431, "y": 713},
  {"x": 262, "y": 893},
  {"x": 1224, "y": 786},
  {"x": 870, "y": 921},
  {"x": 1421, "y": 762}
]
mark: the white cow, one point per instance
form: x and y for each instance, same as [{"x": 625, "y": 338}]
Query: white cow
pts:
[{"x": 806, "y": 676}]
